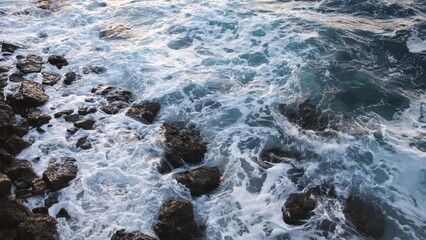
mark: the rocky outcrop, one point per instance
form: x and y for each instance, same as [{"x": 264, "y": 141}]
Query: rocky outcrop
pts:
[
  {"x": 63, "y": 112},
  {"x": 30, "y": 94},
  {"x": 305, "y": 115},
  {"x": 145, "y": 112},
  {"x": 200, "y": 181},
  {"x": 30, "y": 64},
  {"x": 50, "y": 78},
  {"x": 366, "y": 217},
  {"x": 60, "y": 172},
  {"x": 5, "y": 159},
  {"x": 123, "y": 235},
  {"x": 58, "y": 61},
  {"x": 176, "y": 221},
  {"x": 37, "y": 118},
  {"x": 114, "y": 108},
  {"x": 14, "y": 144},
  {"x": 113, "y": 94},
  {"x": 38, "y": 227}
]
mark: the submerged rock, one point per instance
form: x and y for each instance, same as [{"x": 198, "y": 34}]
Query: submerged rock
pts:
[
  {"x": 21, "y": 173},
  {"x": 38, "y": 227},
  {"x": 94, "y": 69},
  {"x": 113, "y": 94},
  {"x": 145, "y": 112},
  {"x": 176, "y": 221},
  {"x": 60, "y": 172},
  {"x": 52, "y": 199},
  {"x": 70, "y": 77},
  {"x": 50, "y": 78},
  {"x": 37, "y": 118},
  {"x": 58, "y": 61},
  {"x": 123, "y": 235},
  {"x": 9, "y": 47},
  {"x": 114, "y": 108},
  {"x": 366, "y": 217},
  {"x": 30, "y": 94},
  {"x": 119, "y": 31},
  {"x": 200, "y": 181},
  {"x": 278, "y": 155},
  {"x": 305, "y": 115},
  {"x": 30, "y": 64}
]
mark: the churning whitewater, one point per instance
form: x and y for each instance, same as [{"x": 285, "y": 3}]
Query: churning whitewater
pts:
[{"x": 308, "y": 117}]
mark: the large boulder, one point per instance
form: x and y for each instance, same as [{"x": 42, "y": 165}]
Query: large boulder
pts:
[
  {"x": 145, "y": 112},
  {"x": 30, "y": 94},
  {"x": 13, "y": 144},
  {"x": 113, "y": 94},
  {"x": 30, "y": 64},
  {"x": 21, "y": 173},
  {"x": 123, "y": 235},
  {"x": 58, "y": 61},
  {"x": 200, "y": 181},
  {"x": 37, "y": 118},
  {"x": 176, "y": 221},
  {"x": 60, "y": 172},
  {"x": 12, "y": 213},
  {"x": 38, "y": 227},
  {"x": 305, "y": 115},
  {"x": 365, "y": 216}
]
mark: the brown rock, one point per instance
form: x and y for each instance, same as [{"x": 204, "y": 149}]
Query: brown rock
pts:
[
  {"x": 60, "y": 172},
  {"x": 86, "y": 124},
  {"x": 145, "y": 112},
  {"x": 38, "y": 227},
  {"x": 5, "y": 185},
  {"x": 30, "y": 64},
  {"x": 122, "y": 235},
  {"x": 50, "y": 78},
  {"x": 30, "y": 94},
  {"x": 200, "y": 181},
  {"x": 58, "y": 61},
  {"x": 37, "y": 118},
  {"x": 21, "y": 173}
]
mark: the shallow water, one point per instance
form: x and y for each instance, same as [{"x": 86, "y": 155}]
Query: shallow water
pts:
[{"x": 225, "y": 66}]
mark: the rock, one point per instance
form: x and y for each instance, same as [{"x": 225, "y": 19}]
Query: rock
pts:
[
  {"x": 114, "y": 108},
  {"x": 39, "y": 186},
  {"x": 113, "y": 94},
  {"x": 63, "y": 213},
  {"x": 16, "y": 77},
  {"x": 305, "y": 115},
  {"x": 3, "y": 82},
  {"x": 21, "y": 128},
  {"x": 38, "y": 227},
  {"x": 366, "y": 217},
  {"x": 21, "y": 173},
  {"x": 176, "y": 221},
  {"x": 200, "y": 181},
  {"x": 119, "y": 31},
  {"x": 145, "y": 112},
  {"x": 52, "y": 198},
  {"x": 30, "y": 64},
  {"x": 58, "y": 61},
  {"x": 4, "y": 68},
  {"x": 122, "y": 235},
  {"x": 83, "y": 143},
  {"x": 5, "y": 185},
  {"x": 60, "y": 172},
  {"x": 45, "y": 4},
  {"x": 30, "y": 94},
  {"x": 41, "y": 210},
  {"x": 86, "y": 124},
  {"x": 14, "y": 144},
  {"x": 94, "y": 69},
  {"x": 37, "y": 118},
  {"x": 50, "y": 78},
  {"x": 5, "y": 159},
  {"x": 70, "y": 77},
  {"x": 7, "y": 116},
  {"x": 278, "y": 155},
  {"x": 12, "y": 213},
  {"x": 8, "y": 234},
  {"x": 183, "y": 146},
  {"x": 72, "y": 118},
  {"x": 63, "y": 112},
  {"x": 72, "y": 130},
  {"x": 84, "y": 110},
  {"x": 9, "y": 48}
]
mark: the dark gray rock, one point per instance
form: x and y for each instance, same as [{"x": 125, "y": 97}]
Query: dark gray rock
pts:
[
  {"x": 83, "y": 143},
  {"x": 37, "y": 118},
  {"x": 114, "y": 108},
  {"x": 63, "y": 213},
  {"x": 7, "y": 116},
  {"x": 58, "y": 61},
  {"x": 72, "y": 118},
  {"x": 5, "y": 159},
  {"x": 38, "y": 227},
  {"x": 84, "y": 110},
  {"x": 145, "y": 112},
  {"x": 50, "y": 78},
  {"x": 200, "y": 181},
  {"x": 52, "y": 199},
  {"x": 41, "y": 210},
  {"x": 14, "y": 144},
  {"x": 45, "y": 4},
  {"x": 72, "y": 130},
  {"x": 5, "y": 185},
  {"x": 21, "y": 173},
  {"x": 63, "y": 112},
  {"x": 113, "y": 94},
  {"x": 12, "y": 213},
  {"x": 9, "y": 47},
  {"x": 30, "y": 94},
  {"x": 8, "y": 234},
  {"x": 305, "y": 115},
  {"x": 30, "y": 64},
  {"x": 16, "y": 77},
  {"x": 123, "y": 235},
  {"x": 86, "y": 124},
  {"x": 94, "y": 69},
  {"x": 60, "y": 172},
  {"x": 70, "y": 77}
]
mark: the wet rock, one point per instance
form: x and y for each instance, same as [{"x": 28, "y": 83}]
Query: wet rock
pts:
[
  {"x": 63, "y": 213},
  {"x": 3, "y": 81},
  {"x": 180, "y": 43},
  {"x": 50, "y": 78},
  {"x": 23, "y": 193},
  {"x": 70, "y": 77},
  {"x": 60, "y": 172},
  {"x": 37, "y": 118},
  {"x": 278, "y": 155},
  {"x": 366, "y": 217},
  {"x": 12, "y": 213},
  {"x": 5, "y": 185},
  {"x": 41, "y": 210},
  {"x": 4, "y": 68},
  {"x": 84, "y": 110},
  {"x": 9, "y": 47},
  {"x": 86, "y": 124},
  {"x": 21, "y": 128},
  {"x": 7, "y": 116},
  {"x": 21, "y": 173},
  {"x": 16, "y": 77},
  {"x": 183, "y": 146},
  {"x": 30, "y": 94},
  {"x": 72, "y": 130},
  {"x": 200, "y": 181},
  {"x": 39, "y": 186},
  {"x": 5, "y": 159},
  {"x": 114, "y": 108},
  {"x": 176, "y": 221},
  {"x": 94, "y": 69},
  {"x": 119, "y": 31},
  {"x": 30, "y": 64},
  {"x": 58, "y": 61},
  {"x": 305, "y": 115},
  {"x": 63, "y": 112},
  {"x": 8, "y": 234},
  {"x": 72, "y": 118},
  {"x": 113, "y": 94},
  {"x": 145, "y": 112},
  {"x": 52, "y": 199},
  {"x": 14, "y": 144},
  {"x": 45, "y": 4},
  {"x": 123, "y": 235},
  {"x": 37, "y": 227},
  {"x": 83, "y": 143}
]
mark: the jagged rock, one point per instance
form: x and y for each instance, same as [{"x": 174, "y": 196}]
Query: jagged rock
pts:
[
  {"x": 38, "y": 227},
  {"x": 84, "y": 110},
  {"x": 5, "y": 185},
  {"x": 366, "y": 217},
  {"x": 4, "y": 68},
  {"x": 30, "y": 94},
  {"x": 37, "y": 118},
  {"x": 183, "y": 146},
  {"x": 39, "y": 186},
  {"x": 58, "y": 61},
  {"x": 21, "y": 173},
  {"x": 45, "y": 4},
  {"x": 114, "y": 108},
  {"x": 30, "y": 64},
  {"x": 72, "y": 118},
  {"x": 52, "y": 198},
  {"x": 83, "y": 143},
  {"x": 12, "y": 213},
  {"x": 14, "y": 144},
  {"x": 70, "y": 77},
  {"x": 41, "y": 210},
  {"x": 176, "y": 221},
  {"x": 305, "y": 115},
  {"x": 200, "y": 181},
  {"x": 16, "y": 77},
  {"x": 63, "y": 112},
  {"x": 9, "y": 47},
  {"x": 113, "y": 94},
  {"x": 86, "y": 124},
  {"x": 123, "y": 235},
  {"x": 145, "y": 112},
  {"x": 60, "y": 172},
  {"x": 21, "y": 128},
  {"x": 94, "y": 69},
  {"x": 7, "y": 116},
  {"x": 5, "y": 159},
  {"x": 50, "y": 78},
  {"x": 63, "y": 213}
]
